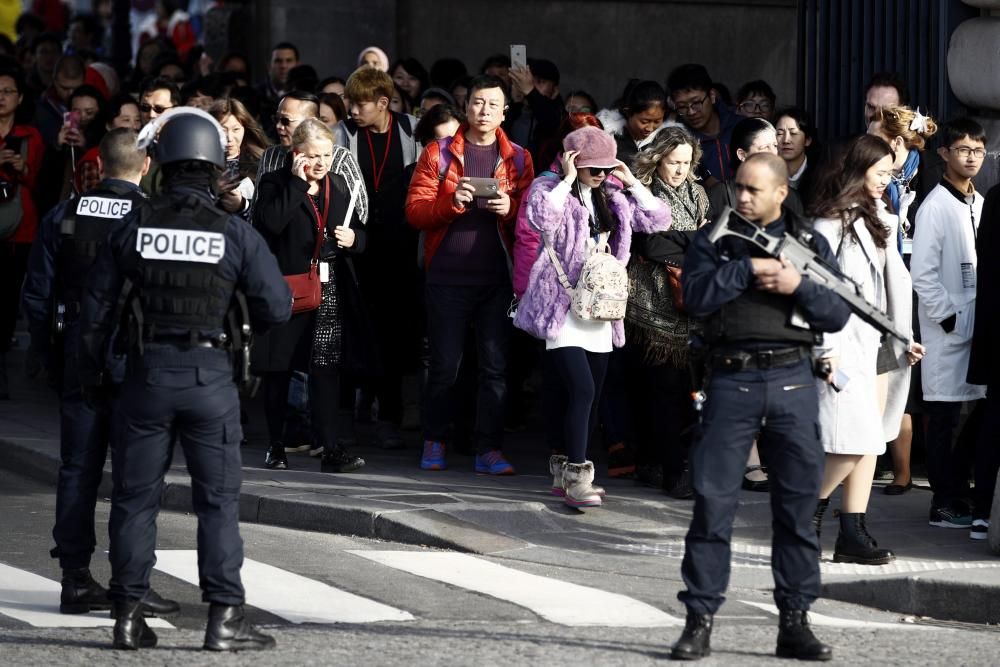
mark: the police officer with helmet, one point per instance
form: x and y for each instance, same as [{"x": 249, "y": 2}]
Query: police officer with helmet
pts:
[
  {"x": 761, "y": 318},
  {"x": 182, "y": 262},
  {"x": 61, "y": 257}
]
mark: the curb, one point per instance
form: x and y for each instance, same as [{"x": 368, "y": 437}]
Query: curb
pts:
[
  {"x": 919, "y": 596},
  {"x": 417, "y": 526}
]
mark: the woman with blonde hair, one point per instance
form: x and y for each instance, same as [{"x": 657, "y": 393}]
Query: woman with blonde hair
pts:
[
  {"x": 305, "y": 214},
  {"x": 245, "y": 143},
  {"x": 656, "y": 325}
]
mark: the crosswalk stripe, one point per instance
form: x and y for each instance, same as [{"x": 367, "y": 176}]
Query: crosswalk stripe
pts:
[
  {"x": 291, "y": 596},
  {"x": 554, "y": 600},
  {"x": 33, "y": 599},
  {"x": 834, "y": 622}
]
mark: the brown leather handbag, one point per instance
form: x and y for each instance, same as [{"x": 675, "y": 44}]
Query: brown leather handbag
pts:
[
  {"x": 306, "y": 287},
  {"x": 676, "y": 288}
]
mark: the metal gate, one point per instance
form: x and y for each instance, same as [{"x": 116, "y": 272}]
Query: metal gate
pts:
[{"x": 843, "y": 42}]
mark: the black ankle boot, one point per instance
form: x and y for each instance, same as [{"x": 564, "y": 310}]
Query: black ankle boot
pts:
[
  {"x": 796, "y": 639},
  {"x": 153, "y": 604},
  {"x": 275, "y": 459},
  {"x": 821, "y": 506},
  {"x": 338, "y": 459},
  {"x": 855, "y": 545},
  {"x": 695, "y": 641},
  {"x": 80, "y": 593},
  {"x": 131, "y": 632},
  {"x": 228, "y": 630}
]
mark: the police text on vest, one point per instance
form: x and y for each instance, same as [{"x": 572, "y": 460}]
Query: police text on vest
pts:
[
  {"x": 180, "y": 245},
  {"x": 103, "y": 207}
]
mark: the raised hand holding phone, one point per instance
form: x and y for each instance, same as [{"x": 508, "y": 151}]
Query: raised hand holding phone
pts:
[{"x": 299, "y": 165}]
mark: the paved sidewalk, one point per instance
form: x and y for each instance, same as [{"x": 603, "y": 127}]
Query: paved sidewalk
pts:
[{"x": 939, "y": 573}]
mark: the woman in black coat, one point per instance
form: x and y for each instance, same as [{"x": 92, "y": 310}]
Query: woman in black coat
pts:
[{"x": 315, "y": 188}]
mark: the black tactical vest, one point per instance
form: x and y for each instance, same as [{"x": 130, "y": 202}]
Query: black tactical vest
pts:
[
  {"x": 181, "y": 291},
  {"x": 84, "y": 229},
  {"x": 756, "y": 315}
]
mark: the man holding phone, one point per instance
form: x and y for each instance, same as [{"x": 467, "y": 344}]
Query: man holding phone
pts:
[{"x": 467, "y": 258}]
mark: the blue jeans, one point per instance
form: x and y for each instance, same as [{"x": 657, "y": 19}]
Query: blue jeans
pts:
[{"x": 451, "y": 309}]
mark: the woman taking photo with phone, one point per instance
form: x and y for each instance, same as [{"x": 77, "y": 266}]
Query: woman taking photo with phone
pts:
[
  {"x": 859, "y": 408},
  {"x": 578, "y": 214},
  {"x": 305, "y": 213}
]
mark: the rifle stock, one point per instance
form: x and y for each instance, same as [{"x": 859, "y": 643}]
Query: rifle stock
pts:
[{"x": 809, "y": 264}]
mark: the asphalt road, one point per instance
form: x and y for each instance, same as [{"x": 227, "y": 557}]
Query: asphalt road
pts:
[{"x": 332, "y": 600}]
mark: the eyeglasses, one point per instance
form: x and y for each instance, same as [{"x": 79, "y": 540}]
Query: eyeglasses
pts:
[
  {"x": 965, "y": 152},
  {"x": 285, "y": 120},
  {"x": 146, "y": 108},
  {"x": 691, "y": 107},
  {"x": 600, "y": 171},
  {"x": 751, "y": 107},
  {"x": 8, "y": 92}
]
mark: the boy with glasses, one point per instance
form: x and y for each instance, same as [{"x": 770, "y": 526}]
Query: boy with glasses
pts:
[
  {"x": 943, "y": 266},
  {"x": 710, "y": 120}
]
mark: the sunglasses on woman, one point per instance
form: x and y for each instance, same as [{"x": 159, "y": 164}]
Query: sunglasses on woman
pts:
[{"x": 600, "y": 171}]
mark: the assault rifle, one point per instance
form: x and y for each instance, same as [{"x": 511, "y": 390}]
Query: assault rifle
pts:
[{"x": 798, "y": 253}]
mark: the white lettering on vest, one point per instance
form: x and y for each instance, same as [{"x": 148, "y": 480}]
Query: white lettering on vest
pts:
[
  {"x": 103, "y": 207},
  {"x": 180, "y": 245}
]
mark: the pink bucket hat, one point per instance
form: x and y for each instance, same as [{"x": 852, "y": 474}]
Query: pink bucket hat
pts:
[
  {"x": 596, "y": 147},
  {"x": 383, "y": 59}
]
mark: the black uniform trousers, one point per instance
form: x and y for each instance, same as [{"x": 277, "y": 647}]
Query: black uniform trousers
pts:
[
  {"x": 83, "y": 448},
  {"x": 781, "y": 403},
  {"x": 201, "y": 408}
]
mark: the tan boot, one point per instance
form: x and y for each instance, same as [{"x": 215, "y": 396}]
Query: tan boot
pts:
[{"x": 578, "y": 485}]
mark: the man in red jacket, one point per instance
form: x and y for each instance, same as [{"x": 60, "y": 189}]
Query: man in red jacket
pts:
[{"x": 467, "y": 259}]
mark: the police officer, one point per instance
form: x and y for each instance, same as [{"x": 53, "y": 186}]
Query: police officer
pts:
[
  {"x": 184, "y": 261},
  {"x": 61, "y": 257},
  {"x": 761, "y": 319}
]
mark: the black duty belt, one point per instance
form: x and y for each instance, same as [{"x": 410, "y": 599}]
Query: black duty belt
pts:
[
  {"x": 186, "y": 341},
  {"x": 738, "y": 360}
]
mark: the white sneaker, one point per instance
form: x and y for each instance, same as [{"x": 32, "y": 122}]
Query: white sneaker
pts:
[{"x": 980, "y": 529}]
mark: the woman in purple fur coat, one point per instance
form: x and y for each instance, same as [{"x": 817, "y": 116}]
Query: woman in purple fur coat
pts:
[{"x": 571, "y": 213}]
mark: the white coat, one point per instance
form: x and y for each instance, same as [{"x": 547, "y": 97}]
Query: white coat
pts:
[
  {"x": 943, "y": 267},
  {"x": 851, "y": 421}
]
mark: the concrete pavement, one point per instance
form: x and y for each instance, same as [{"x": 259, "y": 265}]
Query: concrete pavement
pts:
[{"x": 939, "y": 573}]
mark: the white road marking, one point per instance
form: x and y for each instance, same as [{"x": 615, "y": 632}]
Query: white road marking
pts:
[
  {"x": 33, "y": 599},
  {"x": 556, "y": 601},
  {"x": 291, "y": 596},
  {"x": 834, "y": 622}
]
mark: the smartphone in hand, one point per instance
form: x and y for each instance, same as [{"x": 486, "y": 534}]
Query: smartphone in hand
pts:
[
  {"x": 71, "y": 119},
  {"x": 518, "y": 56},
  {"x": 485, "y": 188}
]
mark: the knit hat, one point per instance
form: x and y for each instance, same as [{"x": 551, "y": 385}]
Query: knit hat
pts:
[
  {"x": 383, "y": 59},
  {"x": 596, "y": 147}
]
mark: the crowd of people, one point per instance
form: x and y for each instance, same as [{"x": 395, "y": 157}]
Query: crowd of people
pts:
[{"x": 469, "y": 227}]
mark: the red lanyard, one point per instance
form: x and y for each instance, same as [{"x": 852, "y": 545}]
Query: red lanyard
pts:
[
  {"x": 377, "y": 170},
  {"x": 320, "y": 232}
]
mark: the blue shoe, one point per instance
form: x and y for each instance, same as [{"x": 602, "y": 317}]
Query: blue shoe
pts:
[
  {"x": 433, "y": 457},
  {"x": 493, "y": 463}
]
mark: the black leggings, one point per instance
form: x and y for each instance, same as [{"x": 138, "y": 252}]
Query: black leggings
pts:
[
  {"x": 324, "y": 398},
  {"x": 581, "y": 376}
]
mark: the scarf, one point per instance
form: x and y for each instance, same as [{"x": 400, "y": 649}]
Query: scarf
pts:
[{"x": 899, "y": 185}]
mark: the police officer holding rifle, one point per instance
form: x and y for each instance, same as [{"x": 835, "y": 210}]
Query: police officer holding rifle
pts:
[
  {"x": 181, "y": 262},
  {"x": 761, "y": 318}
]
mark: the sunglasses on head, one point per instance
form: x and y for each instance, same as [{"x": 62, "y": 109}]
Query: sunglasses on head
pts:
[
  {"x": 600, "y": 171},
  {"x": 146, "y": 108}
]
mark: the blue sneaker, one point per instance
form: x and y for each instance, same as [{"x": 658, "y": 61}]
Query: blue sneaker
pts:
[
  {"x": 493, "y": 463},
  {"x": 433, "y": 457}
]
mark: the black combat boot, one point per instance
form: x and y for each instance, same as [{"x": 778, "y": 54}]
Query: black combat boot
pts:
[
  {"x": 275, "y": 458},
  {"x": 796, "y": 640},
  {"x": 80, "y": 593},
  {"x": 228, "y": 630},
  {"x": 821, "y": 506},
  {"x": 855, "y": 545},
  {"x": 695, "y": 642},
  {"x": 131, "y": 632},
  {"x": 337, "y": 459},
  {"x": 155, "y": 605}
]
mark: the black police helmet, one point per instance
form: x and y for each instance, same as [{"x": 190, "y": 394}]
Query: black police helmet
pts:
[{"x": 186, "y": 135}]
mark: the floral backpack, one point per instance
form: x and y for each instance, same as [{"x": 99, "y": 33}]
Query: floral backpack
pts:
[{"x": 601, "y": 293}]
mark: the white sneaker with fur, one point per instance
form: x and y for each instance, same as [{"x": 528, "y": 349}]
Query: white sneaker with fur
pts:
[{"x": 556, "y": 463}]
